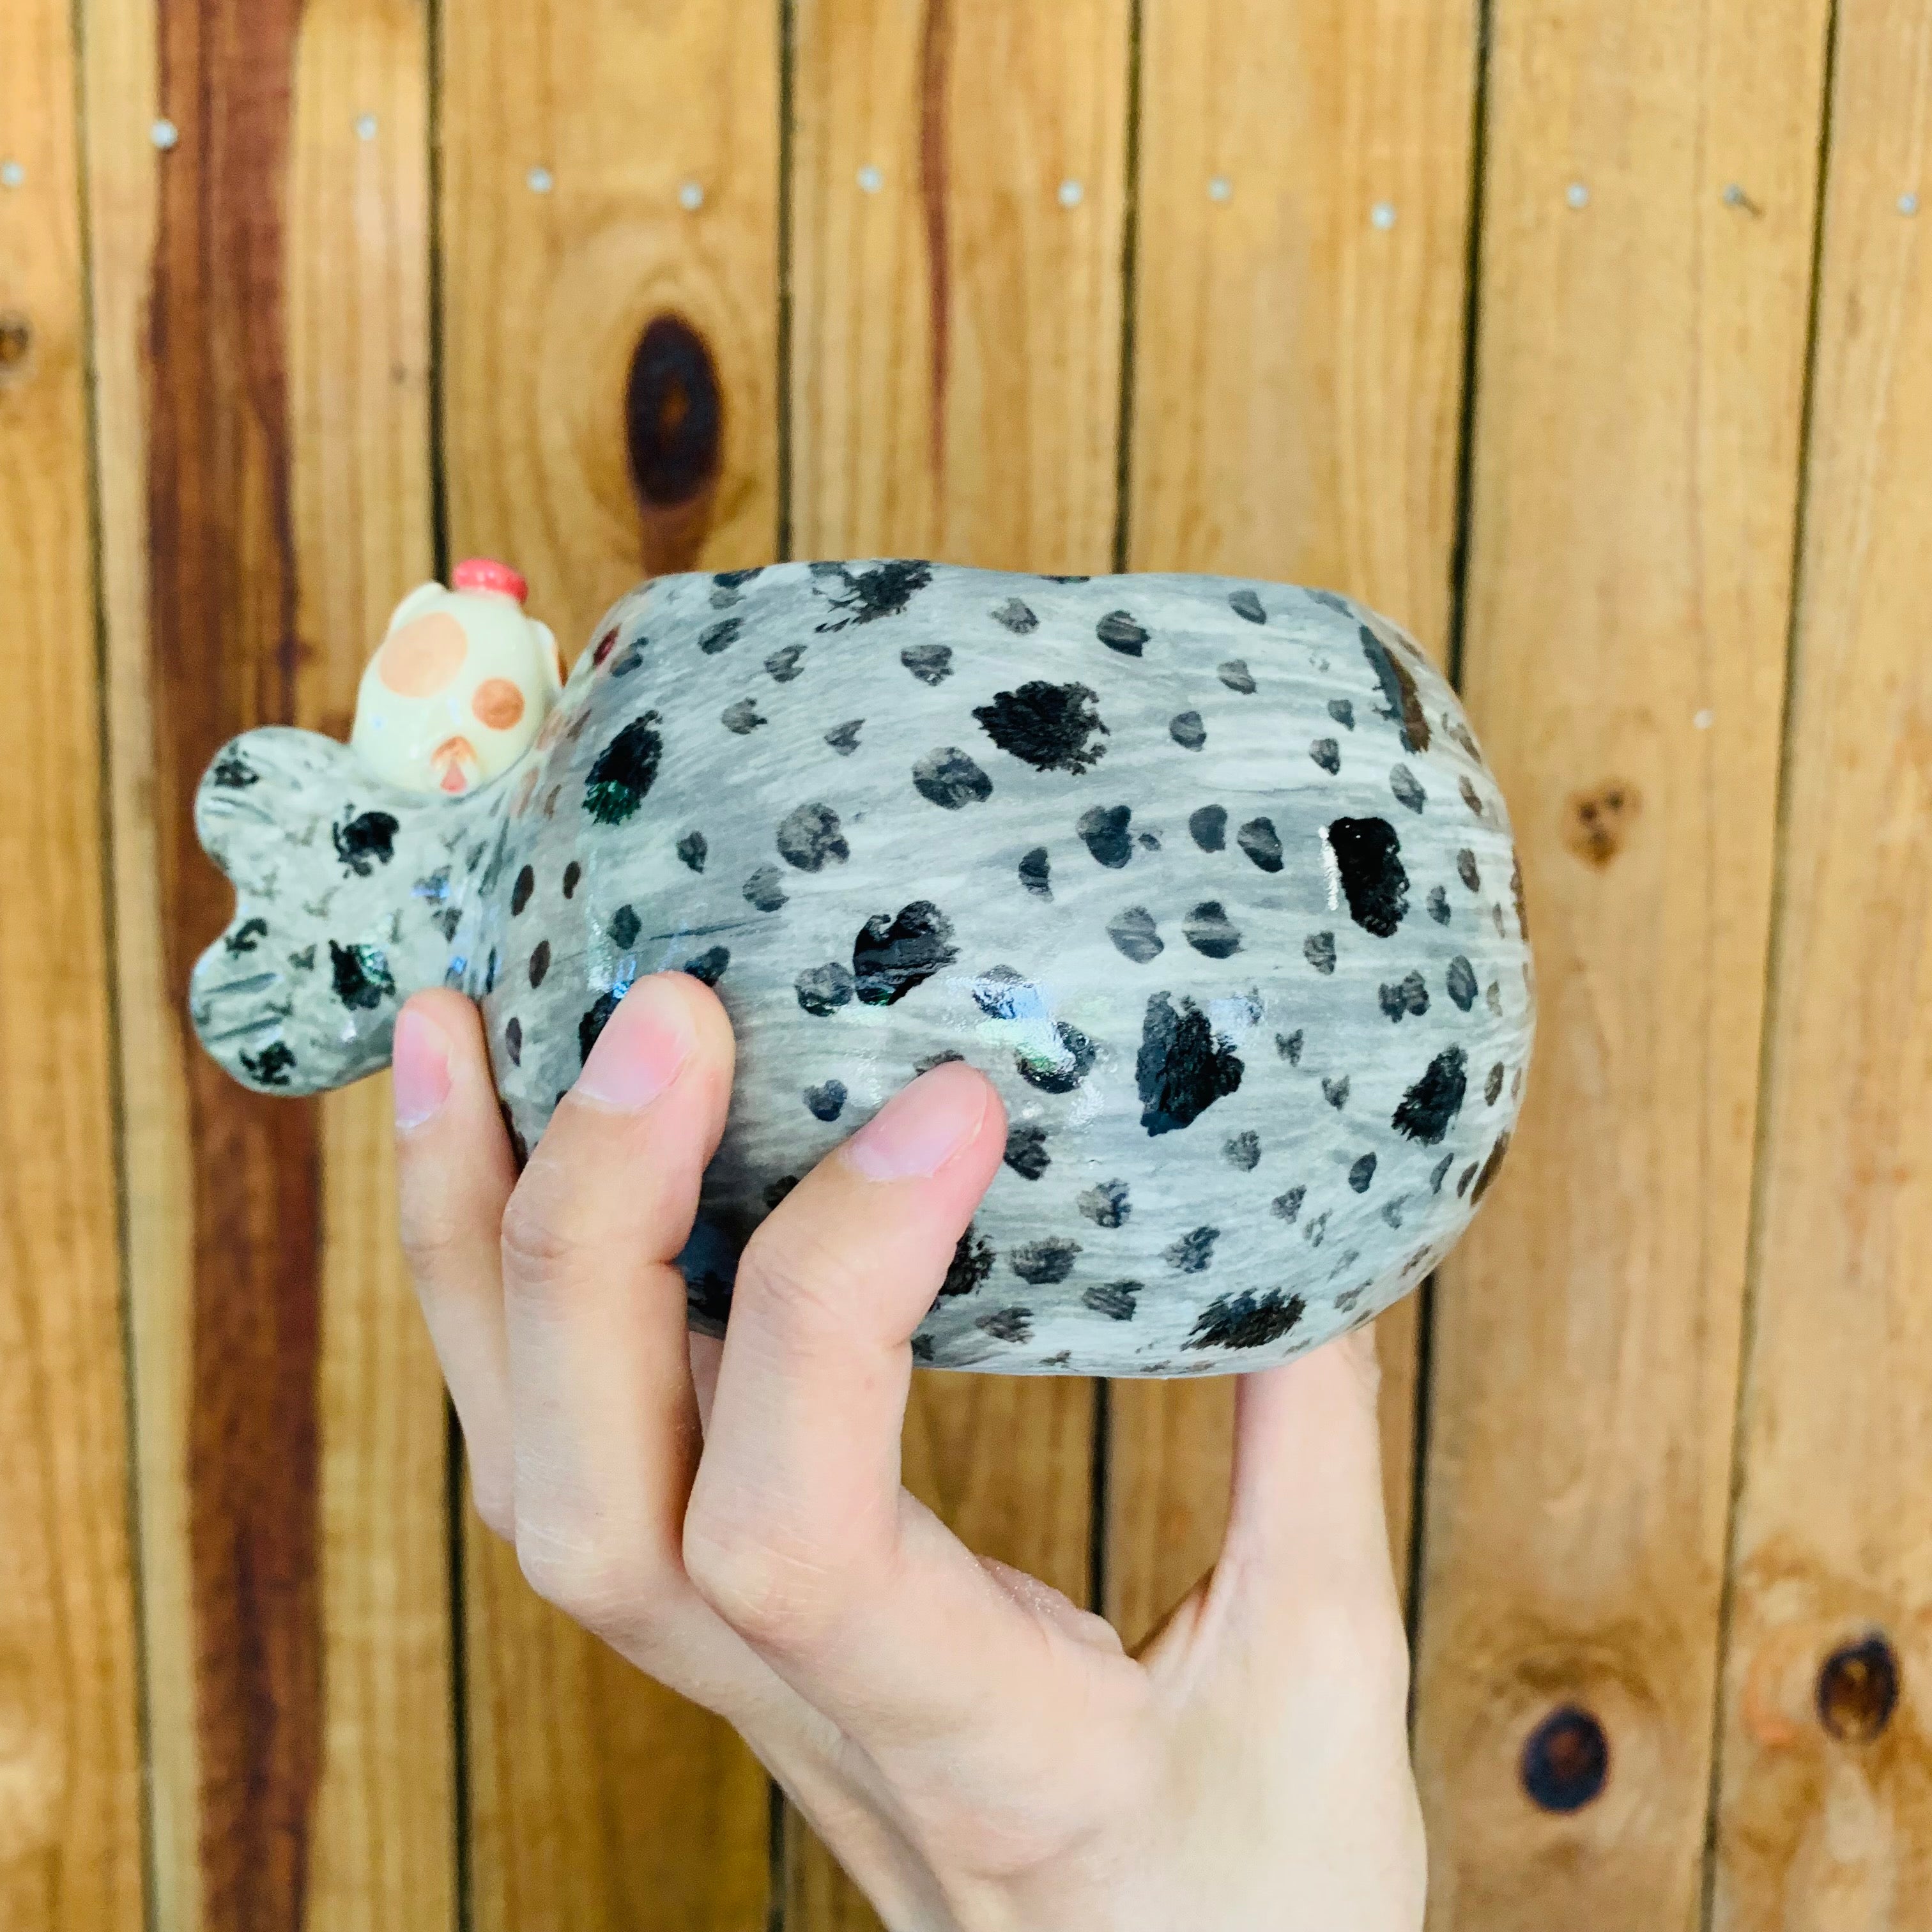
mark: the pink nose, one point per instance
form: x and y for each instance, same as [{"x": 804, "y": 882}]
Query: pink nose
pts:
[{"x": 485, "y": 574}]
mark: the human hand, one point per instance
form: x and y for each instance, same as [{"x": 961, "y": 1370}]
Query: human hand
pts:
[{"x": 979, "y": 1753}]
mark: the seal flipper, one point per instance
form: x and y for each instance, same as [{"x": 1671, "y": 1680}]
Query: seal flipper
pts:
[{"x": 347, "y": 901}]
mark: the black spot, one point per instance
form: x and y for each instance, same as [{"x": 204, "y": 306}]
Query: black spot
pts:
[
  {"x": 765, "y": 888},
  {"x": 1438, "y": 906},
  {"x": 893, "y": 954},
  {"x": 1105, "y": 1205},
  {"x": 972, "y": 1262},
  {"x": 1465, "y": 870},
  {"x": 1493, "y": 997},
  {"x": 1471, "y": 798},
  {"x": 1516, "y": 892},
  {"x": 1026, "y": 1152},
  {"x": 810, "y": 835},
  {"x": 1405, "y": 704},
  {"x": 1462, "y": 982},
  {"x": 1257, "y": 838},
  {"x": 1008, "y": 1325},
  {"x": 572, "y": 873},
  {"x": 826, "y": 1102},
  {"x": 1463, "y": 1179},
  {"x": 1002, "y": 994},
  {"x": 844, "y": 739},
  {"x": 949, "y": 779},
  {"x": 1133, "y": 932},
  {"x": 362, "y": 975},
  {"x": 1246, "y": 1321},
  {"x": 624, "y": 772},
  {"x": 624, "y": 927},
  {"x": 1362, "y": 1173},
  {"x": 1407, "y": 789},
  {"x": 1209, "y": 826},
  {"x": 1368, "y": 855},
  {"x": 1061, "y": 1070},
  {"x": 370, "y": 836},
  {"x": 726, "y": 583},
  {"x": 1566, "y": 1760},
  {"x": 943, "y": 1058},
  {"x": 1192, "y": 1252},
  {"x": 1460, "y": 732},
  {"x": 1103, "y": 831},
  {"x": 489, "y": 974},
  {"x": 823, "y": 989},
  {"x": 1187, "y": 730},
  {"x": 1428, "y": 1110},
  {"x": 1326, "y": 753},
  {"x": 1288, "y": 1045},
  {"x": 1038, "y": 1263},
  {"x": 1342, "y": 711},
  {"x": 742, "y": 718},
  {"x": 1441, "y": 1172},
  {"x": 594, "y": 1020},
  {"x": 303, "y": 961},
  {"x": 1146, "y": 841},
  {"x": 1119, "y": 632},
  {"x": 922, "y": 1348},
  {"x": 1409, "y": 995},
  {"x": 1245, "y": 1151},
  {"x": 1318, "y": 949},
  {"x": 513, "y": 1039},
  {"x": 539, "y": 962},
  {"x": 1181, "y": 1069},
  {"x": 1493, "y": 1085},
  {"x": 1036, "y": 872},
  {"x": 1288, "y": 1205},
  {"x": 1336, "y": 1092},
  {"x": 1050, "y": 727},
  {"x": 633, "y": 656},
  {"x": 1491, "y": 1168},
  {"x": 778, "y": 1190},
  {"x": 1113, "y": 1299},
  {"x": 883, "y": 591},
  {"x": 271, "y": 1066},
  {"x": 1237, "y": 677},
  {"x": 931, "y": 664},
  {"x": 519, "y": 893},
  {"x": 783, "y": 665},
  {"x": 233, "y": 773},
  {"x": 1246, "y": 603},
  {"x": 1209, "y": 930},
  {"x": 1017, "y": 617},
  {"x": 245, "y": 937},
  {"x": 709, "y": 965},
  {"x": 693, "y": 849}
]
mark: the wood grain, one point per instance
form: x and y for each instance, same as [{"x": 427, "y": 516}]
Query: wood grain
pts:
[
  {"x": 1297, "y": 401},
  {"x": 955, "y": 393},
  {"x": 70, "y": 1823},
  {"x": 1641, "y": 347},
  {"x": 384, "y": 1857},
  {"x": 611, "y": 409},
  {"x": 261, "y": 332},
  {"x": 1825, "y": 1811}
]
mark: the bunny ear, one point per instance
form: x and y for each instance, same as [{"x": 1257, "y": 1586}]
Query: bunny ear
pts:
[{"x": 414, "y": 604}]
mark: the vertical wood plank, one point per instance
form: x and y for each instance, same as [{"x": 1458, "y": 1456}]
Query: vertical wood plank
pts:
[
  {"x": 610, "y": 230},
  {"x": 70, "y": 1826},
  {"x": 261, "y": 340},
  {"x": 1824, "y": 1813},
  {"x": 1641, "y": 346},
  {"x": 955, "y": 394},
  {"x": 1296, "y": 396}
]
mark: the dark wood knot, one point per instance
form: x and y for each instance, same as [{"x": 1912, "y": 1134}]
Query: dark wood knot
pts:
[
  {"x": 1858, "y": 1690},
  {"x": 17, "y": 340},
  {"x": 1566, "y": 1760},
  {"x": 674, "y": 414},
  {"x": 1598, "y": 822}
]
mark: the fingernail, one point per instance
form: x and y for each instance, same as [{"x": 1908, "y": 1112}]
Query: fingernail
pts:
[
  {"x": 642, "y": 1047},
  {"x": 420, "y": 1059},
  {"x": 921, "y": 1127}
]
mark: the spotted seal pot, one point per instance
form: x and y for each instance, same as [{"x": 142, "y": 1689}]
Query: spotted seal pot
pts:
[{"x": 1208, "y": 876}]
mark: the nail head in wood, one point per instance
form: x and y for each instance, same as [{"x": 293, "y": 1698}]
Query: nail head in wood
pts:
[
  {"x": 540, "y": 180},
  {"x": 165, "y": 135},
  {"x": 11, "y": 174}
]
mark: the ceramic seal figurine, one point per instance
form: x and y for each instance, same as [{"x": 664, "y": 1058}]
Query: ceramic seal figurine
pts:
[{"x": 1208, "y": 876}]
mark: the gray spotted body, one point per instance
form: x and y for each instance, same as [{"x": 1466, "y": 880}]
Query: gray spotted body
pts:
[{"x": 1209, "y": 876}]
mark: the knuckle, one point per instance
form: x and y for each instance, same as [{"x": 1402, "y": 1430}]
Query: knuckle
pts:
[
  {"x": 494, "y": 1508},
  {"x": 803, "y": 1281},
  {"x": 431, "y": 1230},
  {"x": 538, "y": 1241},
  {"x": 592, "y": 1585},
  {"x": 770, "y": 1599}
]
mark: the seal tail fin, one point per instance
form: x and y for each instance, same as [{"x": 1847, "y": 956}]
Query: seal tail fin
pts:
[{"x": 346, "y": 902}]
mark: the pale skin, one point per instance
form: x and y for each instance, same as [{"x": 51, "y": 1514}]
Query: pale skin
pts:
[{"x": 979, "y": 1753}]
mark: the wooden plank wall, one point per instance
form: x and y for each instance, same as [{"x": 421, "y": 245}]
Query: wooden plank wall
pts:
[{"x": 1585, "y": 336}]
